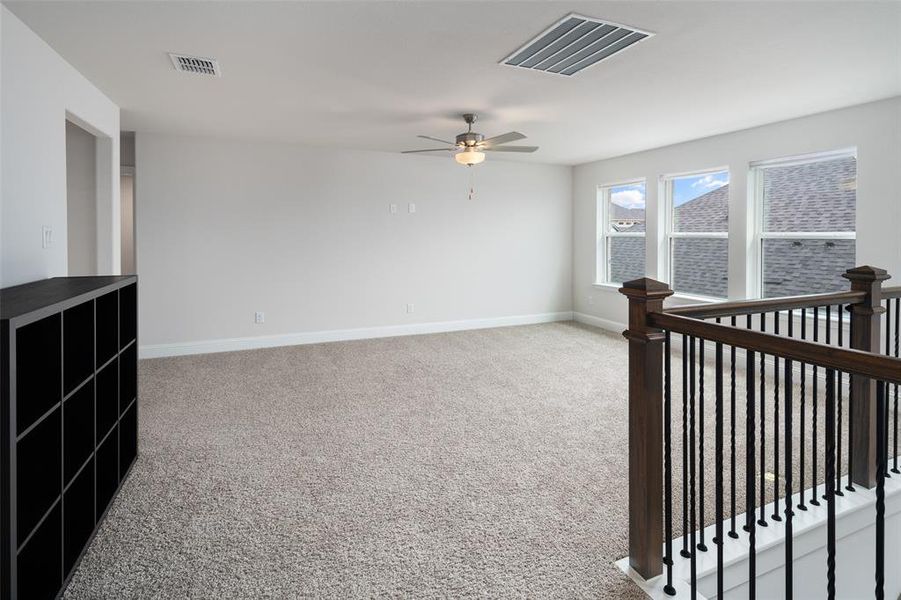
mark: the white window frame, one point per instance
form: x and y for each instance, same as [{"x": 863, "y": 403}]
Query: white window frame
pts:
[
  {"x": 666, "y": 188},
  {"x": 755, "y": 183},
  {"x": 604, "y": 234}
]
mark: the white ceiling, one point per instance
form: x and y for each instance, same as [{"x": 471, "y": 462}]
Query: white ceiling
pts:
[{"x": 373, "y": 75}]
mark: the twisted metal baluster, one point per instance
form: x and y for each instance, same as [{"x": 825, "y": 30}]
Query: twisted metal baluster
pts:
[
  {"x": 840, "y": 309},
  {"x": 837, "y": 465},
  {"x": 888, "y": 352},
  {"x": 881, "y": 463},
  {"x": 885, "y": 418},
  {"x": 801, "y": 504},
  {"x": 814, "y": 446},
  {"x": 701, "y": 545},
  {"x": 684, "y": 552},
  {"x": 762, "y": 519},
  {"x": 830, "y": 484},
  {"x": 750, "y": 457},
  {"x": 732, "y": 533},
  {"x": 776, "y": 516},
  {"x": 897, "y": 355},
  {"x": 789, "y": 513},
  {"x": 751, "y": 479},
  {"x": 668, "y": 465},
  {"x": 718, "y": 390},
  {"x": 850, "y": 486},
  {"x": 691, "y": 470}
]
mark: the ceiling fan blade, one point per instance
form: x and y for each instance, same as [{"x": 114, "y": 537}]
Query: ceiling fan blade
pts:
[
  {"x": 429, "y": 150},
  {"x": 511, "y": 149},
  {"x": 434, "y": 139},
  {"x": 503, "y": 138}
]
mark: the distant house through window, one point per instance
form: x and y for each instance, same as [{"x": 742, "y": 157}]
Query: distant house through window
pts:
[
  {"x": 698, "y": 233},
  {"x": 621, "y": 243},
  {"x": 806, "y": 222}
]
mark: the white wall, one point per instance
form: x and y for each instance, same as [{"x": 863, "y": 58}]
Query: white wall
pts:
[
  {"x": 38, "y": 92},
  {"x": 875, "y": 129},
  {"x": 81, "y": 200},
  {"x": 227, "y": 228}
]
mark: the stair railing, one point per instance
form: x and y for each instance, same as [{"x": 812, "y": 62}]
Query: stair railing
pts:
[{"x": 808, "y": 344}]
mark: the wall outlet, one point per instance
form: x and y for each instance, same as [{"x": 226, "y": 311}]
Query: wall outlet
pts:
[
  {"x": 46, "y": 236},
  {"x": 392, "y": 208},
  {"x": 590, "y": 299},
  {"x": 411, "y": 207},
  {"x": 259, "y": 317},
  {"x": 410, "y": 308}
]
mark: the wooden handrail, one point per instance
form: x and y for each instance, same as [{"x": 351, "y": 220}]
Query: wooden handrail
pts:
[
  {"x": 892, "y": 292},
  {"x": 753, "y": 307},
  {"x": 866, "y": 364}
]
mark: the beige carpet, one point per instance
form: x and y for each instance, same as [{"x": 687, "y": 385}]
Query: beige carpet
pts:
[{"x": 485, "y": 463}]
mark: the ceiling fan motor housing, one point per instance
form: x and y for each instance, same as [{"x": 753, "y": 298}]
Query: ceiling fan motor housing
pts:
[{"x": 469, "y": 139}]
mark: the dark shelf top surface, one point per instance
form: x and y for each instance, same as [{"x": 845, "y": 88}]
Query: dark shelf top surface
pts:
[{"x": 28, "y": 297}]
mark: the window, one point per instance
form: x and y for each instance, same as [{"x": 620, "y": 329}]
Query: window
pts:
[
  {"x": 621, "y": 247},
  {"x": 698, "y": 233},
  {"x": 806, "y": 222}
]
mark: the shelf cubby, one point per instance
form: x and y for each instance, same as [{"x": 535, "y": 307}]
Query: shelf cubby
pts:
[
  {"x": 38, "y": 471},
  {"x": 107, "y": 311},
  {"x": 68, "y": 424},
  {"x": 79, "y": 518},
  {"x": 128, "y": 438},
  {"x": 128, "y": 311},
  {"x": 78, "y": 428},
  {"x": 78, "y": 345},
  {"x": 38, "y": 370},
  {"x": 107, "y": 471},
  {"x": 39, "y": 563},
  {"x": 128, "y": 377},
  {"x": 107, "y": 398}
]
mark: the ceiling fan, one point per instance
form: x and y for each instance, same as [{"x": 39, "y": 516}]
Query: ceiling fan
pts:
[{"x": 470, "y": 147}]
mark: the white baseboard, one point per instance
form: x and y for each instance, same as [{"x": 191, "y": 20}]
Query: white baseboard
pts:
[
  {"x": 599, "y": 322},
  {"x": 338, "y": 335}
]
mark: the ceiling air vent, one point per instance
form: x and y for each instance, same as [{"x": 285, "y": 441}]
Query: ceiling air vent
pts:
[
  {"x": 574, "y": 43},
  {"x": 195, "y": 64}
]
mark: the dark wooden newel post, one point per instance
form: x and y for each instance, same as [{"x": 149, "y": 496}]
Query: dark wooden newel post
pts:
[
  {"x": 866, "y": 317},
  {"x": 645, "y": 426}
]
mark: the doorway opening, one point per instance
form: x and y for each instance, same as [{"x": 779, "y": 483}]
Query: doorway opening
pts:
[
  {"x": 127, "y": 200},
  {"x": 81, "y": 200}
]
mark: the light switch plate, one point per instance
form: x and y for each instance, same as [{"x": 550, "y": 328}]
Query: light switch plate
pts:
[{"x": 411, "y": 207}]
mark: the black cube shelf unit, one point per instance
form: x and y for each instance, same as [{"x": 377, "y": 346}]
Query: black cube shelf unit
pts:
[{"x": 68, "y": 422}]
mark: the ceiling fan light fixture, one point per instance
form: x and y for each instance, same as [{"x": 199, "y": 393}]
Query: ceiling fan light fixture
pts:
[
  {"x": 470, "y": 146},
  {"x": 469, "y": 157}
]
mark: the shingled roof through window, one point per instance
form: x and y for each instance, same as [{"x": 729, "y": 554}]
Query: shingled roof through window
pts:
[{"x": 810, "y": 197}]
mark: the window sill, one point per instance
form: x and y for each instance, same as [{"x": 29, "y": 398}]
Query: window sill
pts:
[
  {"x": 698, "y": 299},
  {"x": 614, "y": 287},
  {"x": 610, "y": 287}
]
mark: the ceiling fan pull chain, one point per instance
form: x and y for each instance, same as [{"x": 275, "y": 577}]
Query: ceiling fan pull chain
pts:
[{"x": 472, "y": 191}]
